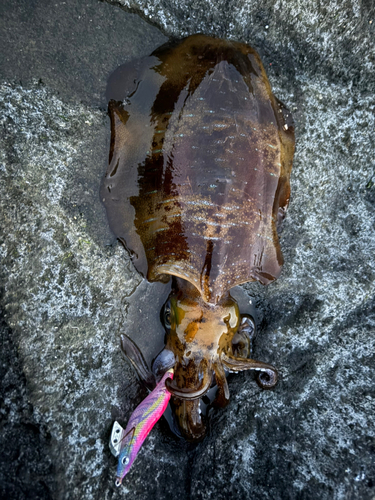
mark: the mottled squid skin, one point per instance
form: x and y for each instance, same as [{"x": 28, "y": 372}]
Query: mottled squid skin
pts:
[{"x": 197, "y": 184}]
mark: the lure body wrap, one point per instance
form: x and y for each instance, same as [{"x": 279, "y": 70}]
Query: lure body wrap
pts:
[{"x": 140, "y": 424}]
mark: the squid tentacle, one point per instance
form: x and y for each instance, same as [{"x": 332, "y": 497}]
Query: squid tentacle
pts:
[
  {"x": 190, "y": 394},
  {"x": 266, "y": 379},
  {"x": 222, "y": 397},
  {"x": 134, "y": 355}
]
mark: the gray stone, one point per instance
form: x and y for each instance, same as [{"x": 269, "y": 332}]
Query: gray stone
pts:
[
  {"x": 68, "y": 289},
  {"x": 71, "y": 46},
  {"x": 334, "y": 40}
]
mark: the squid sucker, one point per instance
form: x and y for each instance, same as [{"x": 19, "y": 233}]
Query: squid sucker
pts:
[{"x": 196, "y": 188}]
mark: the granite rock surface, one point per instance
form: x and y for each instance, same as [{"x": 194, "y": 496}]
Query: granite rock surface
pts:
[{"x": 68, "y": 288}]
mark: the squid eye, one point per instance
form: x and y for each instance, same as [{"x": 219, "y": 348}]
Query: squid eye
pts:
[
  {"x": 125, "y": 461},
  {"x": 167, "y": 315}
]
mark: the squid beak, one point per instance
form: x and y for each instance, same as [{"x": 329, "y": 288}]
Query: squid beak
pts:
[{"x": 118, "y": 481}]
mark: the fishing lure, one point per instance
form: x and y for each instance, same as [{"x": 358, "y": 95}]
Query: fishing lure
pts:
[{"x": 126, "y": 443}]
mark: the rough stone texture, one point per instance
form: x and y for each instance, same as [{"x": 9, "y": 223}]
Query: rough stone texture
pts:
[
  {"x": 71, "y": 46},
  {"x": 25, "y": 465},
  {"x": 67, "y": 288},
  {"x": 334, "y": 39}
]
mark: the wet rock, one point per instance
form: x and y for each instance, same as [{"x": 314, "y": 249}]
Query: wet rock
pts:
[
  {"x": 50, "y": 285},
  {"x": 332, "y": 40},
  {"x": 68, "y": 287},
  {"x": 25, "y": 466},
  {"x": 69, "y": 45}
]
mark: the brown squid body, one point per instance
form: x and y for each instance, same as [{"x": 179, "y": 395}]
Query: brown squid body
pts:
[{"x": 197, "y": 184}]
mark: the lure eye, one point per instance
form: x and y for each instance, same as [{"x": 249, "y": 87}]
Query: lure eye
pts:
[
  {"x": 125, "y": 461},
  {"x": 167, "y": 315}
]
